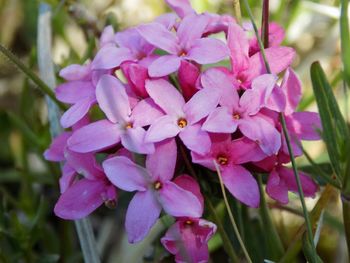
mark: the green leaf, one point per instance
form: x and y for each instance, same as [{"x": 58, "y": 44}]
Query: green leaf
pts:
[
  {"x": 308, "y": 251},
  {"x": 345, "y": 39},
  {"x": 335, "y": 132}
]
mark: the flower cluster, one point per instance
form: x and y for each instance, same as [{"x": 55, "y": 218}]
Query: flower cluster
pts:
[{"x": 160, "y": 86}]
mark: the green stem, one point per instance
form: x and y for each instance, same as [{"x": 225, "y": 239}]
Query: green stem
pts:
[
  {"x": 287, "y": 137},
  {"x": 232, "y": 219},
  {"x": 31, "y": 75},
  {"x": 274, "y": 242}
]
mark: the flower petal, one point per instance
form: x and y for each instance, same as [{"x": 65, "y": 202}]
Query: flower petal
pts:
[
  {"x": 162, "y": 170},
  {"x": 95, "y": 136},
  {"x": 113, "y": 99},
  {"x": 179, "y": 202},
  {"x": 164, "y": 65},
  {"x": 142, "y": 213},
  {"x": 145, "y": 113},
  {"x": 133, "y": 139},
  {"x": 188, "y": 75},
  {"x": 75, "y": 72},
  {"x": 244, "y": 150},
  {"x": 76, "y": 112},
  {"x": 163, "y": 128},
  {"x": 181, "y": 7},
  {"x": 80, "y": 199},
  {"x": 276, "y": 188},
  {"x": 166, "y": 96},
  {"x": 125, "y": 174},
  {"x": 55, "y": 152},
  {"x": 241, "y": 185},
  {"x": 195, "y": 139},
  {"x": 306, "y": 125},
  {"x": 291, "y": 86},
  {"x": 74, "y": 91},
  {"x": 220, "y": 120},
  {"x": 208, "y": 51},
  {"x": 109, "y": 57}
]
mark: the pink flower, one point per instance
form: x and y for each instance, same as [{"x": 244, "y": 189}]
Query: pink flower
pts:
[
  {"x": 181, "y": 118},
  {"x": 229, "y": 155},
  {"x": 242, "y": 112},
  {"x": 187, "y": 44},
  {"x": 154, "y": 189},
  {"x": 122, "y": 124},
  {"x": 188, "y": 240}
]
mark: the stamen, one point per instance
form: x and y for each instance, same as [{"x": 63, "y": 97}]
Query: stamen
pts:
[
  {"x": 223, "y": 160},
  {"x": 157, "y": 185},
  {"x": 189, "y": 222},
  {"x": 236, "y": 116},
  {"x": 182, "y": 123},
  {"x": 128, "y": 125}
]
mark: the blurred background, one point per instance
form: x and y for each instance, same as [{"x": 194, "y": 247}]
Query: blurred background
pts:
[{"x": 29, "y": 231}]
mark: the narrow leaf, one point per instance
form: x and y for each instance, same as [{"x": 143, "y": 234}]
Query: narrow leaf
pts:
[{"x": 345, "y": 39}]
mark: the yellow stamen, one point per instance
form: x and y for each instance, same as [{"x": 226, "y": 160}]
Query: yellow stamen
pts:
[
  {"x": 189, "y": 222},
  {"x": 223, "y": 160},
  {"x": 158, "y": 185},
  {"x": 182, "y": 123},
  {"x": 128, "y": 125},
  {"x": 236, "y": 116}
]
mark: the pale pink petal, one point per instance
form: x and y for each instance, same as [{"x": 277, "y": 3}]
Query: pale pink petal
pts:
[
  {"x": 67, "y": 178},
  {"x": 261, "y": 131},
  {"x": 159, "y": 36},
  {"x": 107, "y": 36},
  {"x": 188, "y": 75},
  {"x": 205, "y": 160},
  {"x": 168, "y": 20},
  {"x": 208, "y": 51},
  {"x": 80, "y": 199},
  {"x": 131, "y": 39},
  {"x": 145, "y": 113},
  {"x": 95, "y": 136},
  {"x": 220, "y": 120},
  {"x": 76, "y": 112},
  {"x": 188, "y": 183},
  {"x": 277, "y": 100},
  {"x": 75, "y": 72},
  {"x": 161, "y": 164},
  {"x": 110, "y": 57},
  {"x": 163, "y": 128},
  {"x": 308, "y": 185},
  {"x": 279, "y": 59},
  {"x": 164, "y": 65},
  {"x": 241, "y": 185},
  {"x": 55, "y": 152},
  {"x": 84, "y": 164},
  {"x": 306, "y": 125},
  {"x": 112, "y": 98},
  {"x": 276, "y": 188},
  {"x": 195, "y": 139},
  {"x": 238, "y": 44},
  {"x": 181, "y": 7},
  {"x": 142, "y": 213},
  {"x": 179, "y": 202},
  {"x": 244, "y": 150},
  {"x": 191, "y": 28},
  {"x": 225, "y": 83},
  {"x": 166, "y": 96},
  {"x": 73, "y": 91},
  {"x": 125, "y": 174},
  {"x": 133, "y": 139},
  {"x": 291, "y": 86}
]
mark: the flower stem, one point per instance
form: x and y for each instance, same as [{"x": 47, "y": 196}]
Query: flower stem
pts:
[
  {"x": 232, "y": 219},
  {"x": 287, "y": 137},
  {"x": 237, "y": 10}
]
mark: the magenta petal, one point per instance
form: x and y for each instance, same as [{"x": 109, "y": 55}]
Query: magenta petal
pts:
[
  {"x": 76, "y": 112},
  {"x": 74, "y": 91},
  {"x": 145, "y": 113},
  {"x": 75, "y": 72},
  {"x": 55, "y": 152},
  {"x": 241, "y": 185},
  {"x": 110, "y": 57},
  {"x": 179, "y": 202},
  {"x": 201, "y": 104},
  {"x": 244, "y": 150},
  {"x": 80, "y": 199},
  {"x": 195, "y": 139},
  {"x": 133, "y": 139},
  {"x": 306, "y": 125},
  {"x": 113, "y": 99},
  {"x": 220, "y": 120},
  {"x": 238, "y": 44},
  {"x": 142, "y": 213},
  {"x": 191, "y": 28},
  {"x": 167, "y": 152},
  {"x": 125, "y": 174},
  {"x": 276, "y": 188},
  {"x": 208, "y": 51},
  {"x": 136, "y": 75},
  {"x": 166, "y": 96},
  {"x": 291, "y": 86},
  {"x": 163, "y": 128},
  {"x": 181, "y": 7},
  {"x": 261, "y": 131},
  {"x": 159, "y": 36},
  {"x": 188, "y": 183},
  {"x": 164, "y": 65},
  {"x": 188, "y": 75},
  {"x": 67, "y": 178},
  {"x": 277, "y": 101},
  {"x": 95, "y": 136}
]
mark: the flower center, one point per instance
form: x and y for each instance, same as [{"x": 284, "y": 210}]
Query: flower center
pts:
[
  {"x": 157, "y": 185},
  {"x": 128, "y": 125},
  {"x": 222, "y": 159},
  {"x": 236, "y": 116},
  {"x": 182, "y": 123},
  {"x": 189, "y": 222},
  {"x": 182, "y": 53}
]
